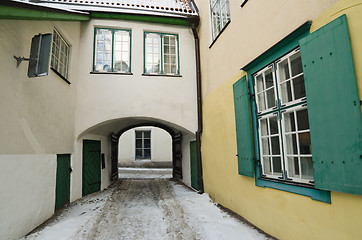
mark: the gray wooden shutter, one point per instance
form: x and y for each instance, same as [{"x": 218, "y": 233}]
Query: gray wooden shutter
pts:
[
  {"x": 333, "y": 108},
  {"x": 243, "y": 128}
]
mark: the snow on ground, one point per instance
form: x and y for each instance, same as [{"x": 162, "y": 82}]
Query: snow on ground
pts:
[
  {"x": 145, "y": 208},
  {"x": 144, "y": 172}
]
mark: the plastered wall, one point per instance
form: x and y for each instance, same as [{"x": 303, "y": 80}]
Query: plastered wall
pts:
[
  {"x": 37, "y": 113},
  {"x": 27, "y": 192},
  {"x": 161, "y": 145},
  {"x": 281, "y": 214},
  {"x": 114, "y": 96}
]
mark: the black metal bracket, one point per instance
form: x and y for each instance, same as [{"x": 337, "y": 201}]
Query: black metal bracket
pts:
[{"x": 20, "y": 59}]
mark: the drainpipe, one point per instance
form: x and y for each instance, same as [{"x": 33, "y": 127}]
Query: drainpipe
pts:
[{"x": 194, "y": 21}]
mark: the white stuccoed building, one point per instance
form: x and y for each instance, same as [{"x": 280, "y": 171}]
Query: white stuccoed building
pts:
[
  {"x": 145, "y": 147},
  {"x": 114, "y": 66}
]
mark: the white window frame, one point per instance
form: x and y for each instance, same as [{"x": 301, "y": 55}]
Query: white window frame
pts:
[
  {"x": 60, "y": 59},
  {"x": 161, "y": 54},
  {"x": 143, "y": 144},
  {"x": 280, "y": 110},
  {"x": 124, "y": 50},
  {"x": 215, "y": 32}
]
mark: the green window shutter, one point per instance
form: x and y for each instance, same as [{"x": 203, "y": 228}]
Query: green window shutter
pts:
[
  {"x": 333, "y": 107},
  {"x": 243, "y": 128}
]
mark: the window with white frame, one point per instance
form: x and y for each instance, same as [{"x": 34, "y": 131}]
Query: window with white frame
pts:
[
  {"x": 161, "y": 54},
  {"x": 284, "y": 135},
  {"x": 220, "y": 16},
  {"x": 60, "y": 55},
  {"x": 143, "y": 144},
  {"x": 112, "y": 51}
]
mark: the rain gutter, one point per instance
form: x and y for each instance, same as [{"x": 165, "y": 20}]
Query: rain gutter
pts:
[{"x": 194, "y": 21}]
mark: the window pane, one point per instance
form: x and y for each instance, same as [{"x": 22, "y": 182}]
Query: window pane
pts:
[
  {"x": 147, "y": 143},
  {"x": 147, "y": 134},
  {"x": 275, "y": 145},
  {"x": 283, "y": 68},
  {"x": 263, "y": 127},
  {"x": 286, "y": 92},
  {"x": 296, "y": 62},
  {"x": 291, "y": 143},
  {"x": 138, "y": 153},
  {"x": 289, "y": 122},
  {"x": 138, "y": 134},
  {"x": 293, "y": 167},
  {"x": 269, "y": 81},
  {"x": 298, "y": 87},
  {"x": 277, "y": 165},
  {"x": 147, "y": 153},
  {"x": 270, "y": 97},
  {"x": 153, "y": 51},
  {"x": 261, "y": 101},
  {"x": 121, "y": 52},
  {"x": 103, "y": 50},
  {"x": 265, "y": 146},
  {"x": 307, "y": 168},
  {"x": 273, "y": 121},
  {"x": 302, "y": 117},
  {"x": 305, "y": 146},
  {"x": 138, "y": 143},
  {"x": 259, "y": 83},
  {"x": 267, "y": 166}
]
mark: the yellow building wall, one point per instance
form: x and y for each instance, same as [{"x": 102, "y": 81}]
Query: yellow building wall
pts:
[{"x": 279, "y": 213}]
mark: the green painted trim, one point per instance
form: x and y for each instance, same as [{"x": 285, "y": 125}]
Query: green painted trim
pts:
[
  {"x": 113, "y": 31},
  {"x": 278, "y": 50},
  {"x": 161, "y": 36},
  {"x": 144, "y": 52},
  {"x": 178, "y": 56},
  {"x": 112, "y": 53},
  {"x": 130, "y": 51},
  {"x": 283, "y": 47},
  {"x": 142, "y": 18},
  {"x": 94, "y": 49},
  {"x": 18, "y": 13}
]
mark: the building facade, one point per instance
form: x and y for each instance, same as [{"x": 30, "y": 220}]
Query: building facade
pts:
[
  {"x": 145, "y": 146},
  {"x": 113, "y": 66},
  {"x": 281, "y": 144}
]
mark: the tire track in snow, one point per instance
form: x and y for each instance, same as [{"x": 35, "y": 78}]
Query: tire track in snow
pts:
[{"x": 140, "y": 209}]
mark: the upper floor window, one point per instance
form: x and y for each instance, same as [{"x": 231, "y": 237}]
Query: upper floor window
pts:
[
  {"x": 161, "y": 54},
  {"x": 284, "y": 134},
  {"x": 60, "y": 55},
  {"x": 220, "y": 16},
  {"x": 112, "y": 50}
]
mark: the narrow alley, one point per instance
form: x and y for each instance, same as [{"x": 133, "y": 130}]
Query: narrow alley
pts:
[{"x": 144, "y": 208}]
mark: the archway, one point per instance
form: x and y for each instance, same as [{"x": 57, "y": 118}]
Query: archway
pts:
[{"x": 109, "y": 132}]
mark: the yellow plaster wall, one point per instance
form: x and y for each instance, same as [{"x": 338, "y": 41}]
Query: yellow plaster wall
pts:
[{"x": 281, "y": 214}]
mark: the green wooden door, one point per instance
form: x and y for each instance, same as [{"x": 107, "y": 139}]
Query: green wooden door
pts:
[
  {"x": 62, "y": 189},
  {"x": 91, "y": 166},
  {"x": 194, "y": 169}
]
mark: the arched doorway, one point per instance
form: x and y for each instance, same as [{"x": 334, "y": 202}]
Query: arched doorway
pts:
[{"x": 107, "y": 133}]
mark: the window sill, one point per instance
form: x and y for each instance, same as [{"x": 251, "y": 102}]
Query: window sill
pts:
[
  {"x": 294, "y": 187},
  {"x": 217, "y": 37},
  {"x": 161, "y": 75},
  {"x": 114, "y": 73},
  {"x": 60, "y": 75}
]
